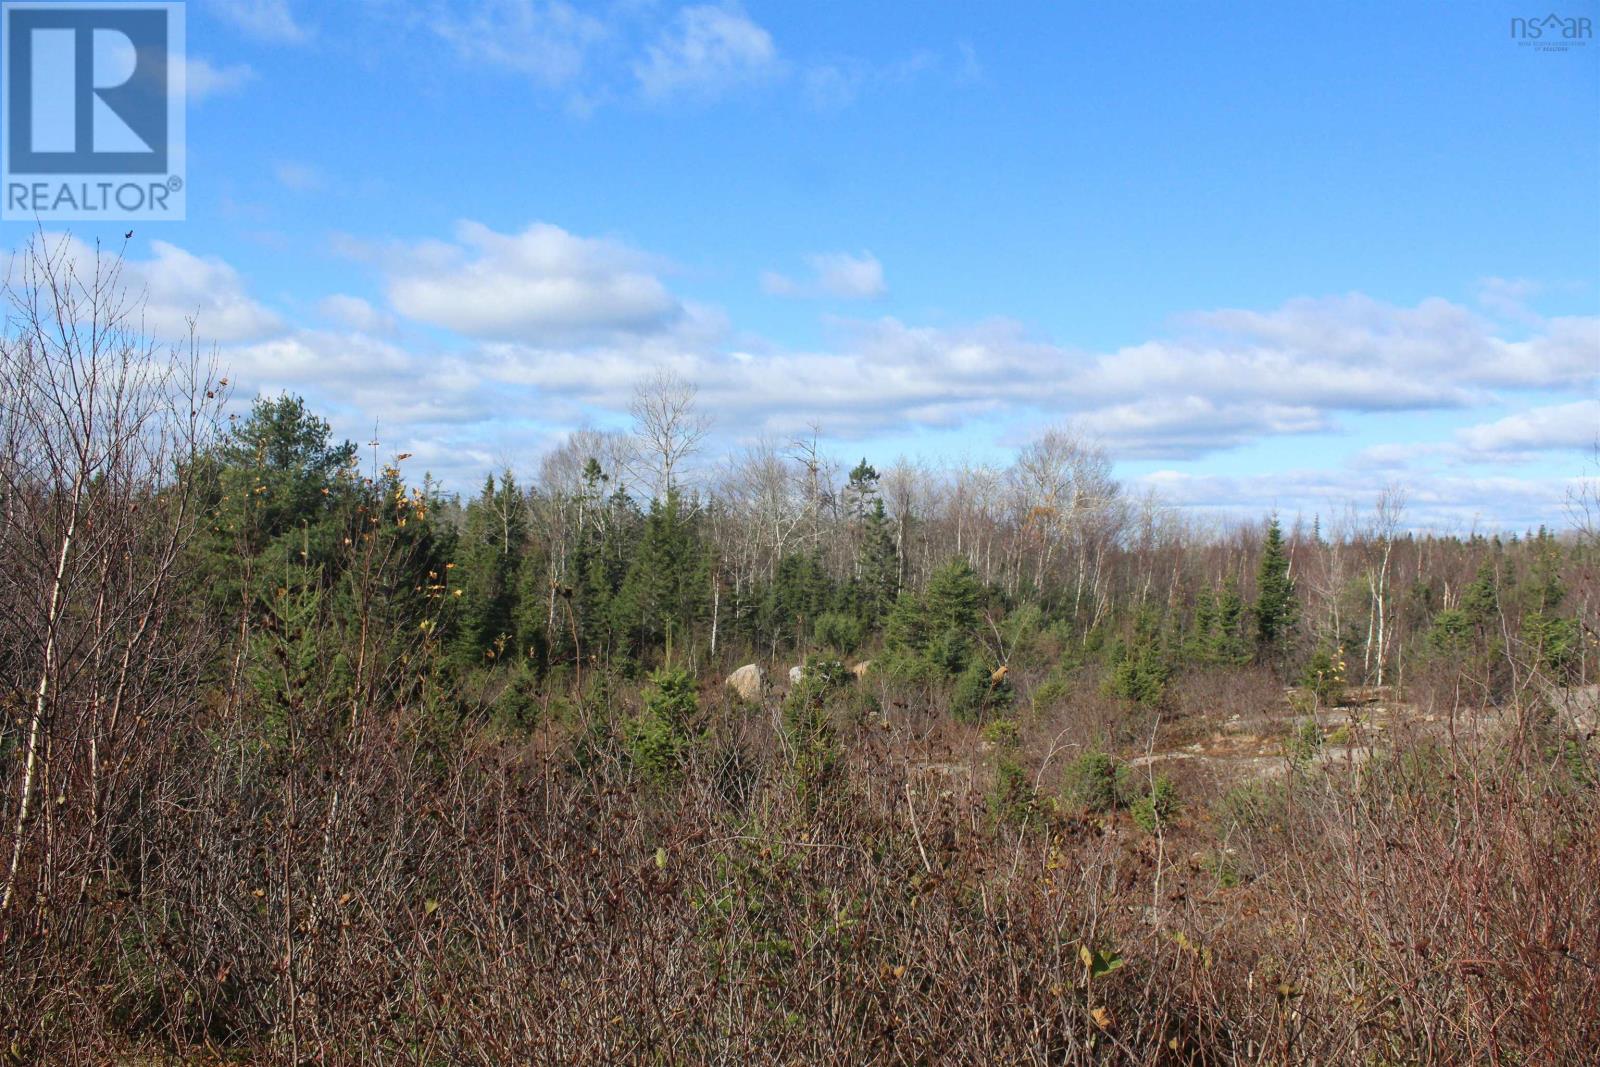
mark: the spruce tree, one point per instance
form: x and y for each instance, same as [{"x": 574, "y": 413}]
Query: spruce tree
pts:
[
  {"x": 664, "y": 593},
  {"x": 488, "y": 572},
  {"x": 877, "y": 567},
  {"x": 1275, "y": 601}
]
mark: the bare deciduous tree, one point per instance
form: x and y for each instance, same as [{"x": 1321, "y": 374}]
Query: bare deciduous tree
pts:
[
  {"x": 668, "y": 428},
  {"x": 97, "y": 429}
]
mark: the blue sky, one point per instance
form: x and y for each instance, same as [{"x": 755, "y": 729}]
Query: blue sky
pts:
[{"x": 1270, "y": 255}]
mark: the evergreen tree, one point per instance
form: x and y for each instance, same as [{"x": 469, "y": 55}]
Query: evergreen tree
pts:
[
  {"x": 1275, "y": 600},
  {"x": 279, "y": 470},
  {"x": 1139, "y": 670},
  {"x": 665, "y": 590},
  {"x": 280, "y": 492},
  {"x": 800, "y": 592},
  {"x": 1228, "y": 645},
  {"x": 937, "y": 627},
  {"x": 488, "y": 573},
  {"x": 1555, "y": 642},
  {"x": 860, "y": 492},
  {"x": 877, "y": 567},
  {"x": 953, "y": 597}
]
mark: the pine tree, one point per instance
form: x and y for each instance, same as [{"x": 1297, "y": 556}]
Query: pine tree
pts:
[
  {"x": 860, "y": 491},
  {"x": 279, "y": 470},
  {"x": 799, "y": 593},
  {"x": 280, "y": 489},
  {"x": 936, "y": 628},
  {"x": 1202, "y": 631}
]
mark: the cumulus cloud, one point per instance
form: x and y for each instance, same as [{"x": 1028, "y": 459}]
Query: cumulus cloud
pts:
[
  {"x": 540, "y": 285},
  {"x": 1508, "y": 297},
  {"x": 532, "y": 327},
  {"x": 177, "y": 285},
  {"x": 1192, "y": 425},
  {"x": 835, "y": 274},
  {"x": 1225, "y": 379},
  {"x": 1555, "y": 427},
  {"x": 372, "y": 378},
  {"x": 706, "y": 50}
]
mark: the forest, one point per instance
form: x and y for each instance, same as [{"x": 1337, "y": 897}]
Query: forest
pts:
[{"x": 647, "y": 750}]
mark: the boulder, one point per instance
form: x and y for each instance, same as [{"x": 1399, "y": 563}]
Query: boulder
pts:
[
  {"x": 795, "y": 674},
  {"x": 748, "y": 681}
]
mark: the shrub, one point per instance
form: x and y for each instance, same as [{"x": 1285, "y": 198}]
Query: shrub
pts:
[
  {"x": 1156, "y": 807},
  {"x": 1013, "y": 799},
  {"x": 659, "y": 737},
  {"x": 837, "y": 631},
  {"x": 518, "y": 706},
  {"x": 1324, "y": 677},
  {"x": 1053, "y": 690},
  {"x": 1094, "y": 781},
  {"x": 1306, "y": 741},
  {"x": 808, "y": 724},
  {"x": 1002, "y": 733},
  {"x": 971, "y": 694}
]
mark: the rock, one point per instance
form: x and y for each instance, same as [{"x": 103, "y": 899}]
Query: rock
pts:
[
  {"x": 860, "y": 669},
  {"x": 748, "y": 681},
  {"x": 795, "y": 674}
]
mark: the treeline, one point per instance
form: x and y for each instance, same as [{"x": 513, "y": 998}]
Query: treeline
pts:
[{"x": 931, "y": 571}]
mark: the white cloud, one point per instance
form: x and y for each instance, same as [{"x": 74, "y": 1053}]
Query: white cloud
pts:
[
  {"x": 1508, "y": 297},
  {"x": 354, "y": 312},
  {"x": 706, "y": 50},
  {"x": 266, "y": 20},
  {"x": 369, "y": 377},
  {"x": 548, "y": 42},
  {"x": 835, "y": 274},
  {"x": 169, "y": 289},
  {"x": 296, "y": 176},
  {"x": 1554, "y": 427},
  {"x": 541, "y": 285},
  {"x": 836, "y": 84},
  {"x": 179, "y": 284},
  {"x": 202, "y": 78},
  {"x": 550, "y": 326},
  {"x": 1440, "y": 503},
  {"x": 1227, "y": 379},
  {"x": 1163, "y": 427}
]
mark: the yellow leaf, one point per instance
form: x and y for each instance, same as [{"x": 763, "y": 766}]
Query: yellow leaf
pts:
[
  {"x": 430, "y": 906},
  {"x": 1101, "y": 1017}
]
